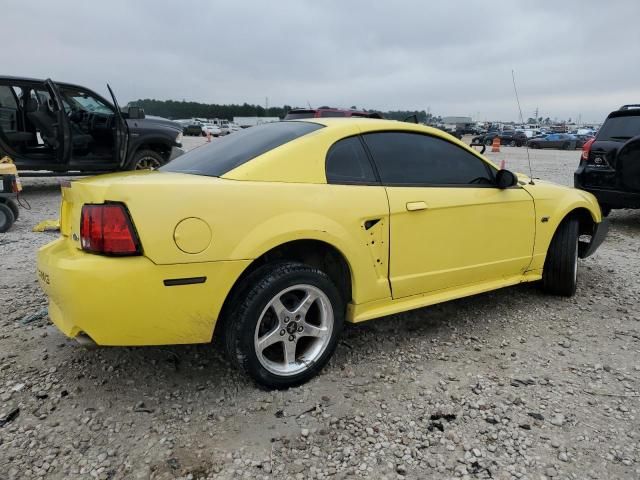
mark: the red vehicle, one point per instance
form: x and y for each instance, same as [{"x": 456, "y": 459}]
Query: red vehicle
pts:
[{"x": 297, "y": 113}]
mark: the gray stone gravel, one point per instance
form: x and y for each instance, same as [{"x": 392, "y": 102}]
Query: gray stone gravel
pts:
[{"x": 509, "y": 384}]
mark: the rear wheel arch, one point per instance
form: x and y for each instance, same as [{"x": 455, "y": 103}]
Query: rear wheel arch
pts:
[{"x": 314, "y": 253}]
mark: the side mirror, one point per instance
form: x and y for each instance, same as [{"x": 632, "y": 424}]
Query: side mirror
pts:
[
  {"x": 136, "y": 113},
  {"x": 506, "y": 179}
]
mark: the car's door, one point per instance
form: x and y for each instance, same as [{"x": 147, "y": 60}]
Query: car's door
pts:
[
  {"x": 121, "y": 132},
  {"x": 449, "y": 224},
  {"x": 63, "y": 152}
]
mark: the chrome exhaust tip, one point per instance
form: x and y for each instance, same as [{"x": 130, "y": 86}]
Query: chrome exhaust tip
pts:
[{"x": 86, "y": 341}]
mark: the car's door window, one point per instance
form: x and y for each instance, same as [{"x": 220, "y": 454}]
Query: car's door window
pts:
[
  {"x": 404, "y": 158},
  {"x": 8, "y": 110},
  {"x": 347, "y": 163}
]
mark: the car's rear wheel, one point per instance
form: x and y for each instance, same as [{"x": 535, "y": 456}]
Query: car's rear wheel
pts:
[
  {"x": 560, "y": 273},
  {"x": 285, "y": 325},
  {"x": 512, "y": 143},
  {"x": 6, "y": 217},
  {"x": 566, "y": 145},
  {"x": 146, "y": 160}
]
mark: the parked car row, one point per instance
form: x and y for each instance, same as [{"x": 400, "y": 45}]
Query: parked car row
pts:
[
  {"x": 215, "y": 127},
  {"x": 564, "y": 141}
]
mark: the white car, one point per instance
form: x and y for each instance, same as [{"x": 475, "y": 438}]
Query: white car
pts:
[{"x": 214, "y": 130}]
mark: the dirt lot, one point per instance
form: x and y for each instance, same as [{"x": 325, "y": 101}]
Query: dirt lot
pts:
[{"x": 510, "y": 384}]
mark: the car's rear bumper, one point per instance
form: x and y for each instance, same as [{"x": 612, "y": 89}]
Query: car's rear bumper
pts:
[
  {"x": 610, "y": 198},
  {"x": 126, "y": 301}
]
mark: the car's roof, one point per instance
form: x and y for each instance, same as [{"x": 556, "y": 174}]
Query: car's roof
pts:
[
  {"x": 10, "y": 78},
  {"x": 369, "y": 124}
]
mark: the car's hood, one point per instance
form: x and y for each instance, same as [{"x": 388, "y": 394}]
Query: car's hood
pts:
[{"x": 151, "y": 121}]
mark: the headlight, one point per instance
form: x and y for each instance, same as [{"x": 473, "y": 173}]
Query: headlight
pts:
[{"x": 179, "y": 137}]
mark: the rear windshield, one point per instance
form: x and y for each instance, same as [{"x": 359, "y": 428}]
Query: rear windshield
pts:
[
  {"x": 300, "y": 114},
  {"x": 620, "y": 128},
  {"x": 225, "y": 154}
]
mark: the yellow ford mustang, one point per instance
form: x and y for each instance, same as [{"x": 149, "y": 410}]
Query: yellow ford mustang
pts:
[{"x": 273, "y": 237}]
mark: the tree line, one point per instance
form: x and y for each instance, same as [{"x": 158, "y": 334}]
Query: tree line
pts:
[{"x": 182, "y": 109}]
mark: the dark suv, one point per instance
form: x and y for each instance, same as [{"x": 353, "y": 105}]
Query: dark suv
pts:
[
  {"x": 610, "y": 164},
  {"x": 59, "y": 127}
]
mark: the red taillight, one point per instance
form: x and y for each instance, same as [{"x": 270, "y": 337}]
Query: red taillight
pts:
[
  {"x": 107, "y": 229},
  {"x": 586, "y": 148}
]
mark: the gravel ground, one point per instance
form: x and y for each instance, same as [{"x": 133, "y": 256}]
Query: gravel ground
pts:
[{"x": 509, "y": 384}]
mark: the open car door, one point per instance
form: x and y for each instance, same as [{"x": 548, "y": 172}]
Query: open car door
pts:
[
  {"x": 62, "y": 126},
  {"x": 121, "y": 132}
]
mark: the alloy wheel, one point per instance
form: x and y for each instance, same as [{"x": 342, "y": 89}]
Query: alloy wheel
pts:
[
  {"x": 294, "y": 330},
  {"x": 148, "y": 163}
]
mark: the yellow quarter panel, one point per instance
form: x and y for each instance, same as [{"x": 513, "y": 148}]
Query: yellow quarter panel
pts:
[{"x": 123, "y": 301}]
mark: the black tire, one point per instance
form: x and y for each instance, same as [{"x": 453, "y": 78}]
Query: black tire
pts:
[
  {"x": 488, "y": 142},
  {"x": 512, "y": 143},
  {"x": 146, "y": 160},
  {"x": 251, "y": 303},
  {"x": 535, "y": 145},
  {"x": 6, "y": 217},
  {"x": 560, "y": 273},
  {"x": 566, "y": 145},
  {"x": 12, "y": 205}
]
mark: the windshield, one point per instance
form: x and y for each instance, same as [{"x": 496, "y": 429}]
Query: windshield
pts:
[
  {"x": 216, "y": 159},
  {"x": 78, "y": 100},
  {"x": 620, "y": 128}
]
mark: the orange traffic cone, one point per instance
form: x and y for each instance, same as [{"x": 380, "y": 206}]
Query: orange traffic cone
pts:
[{"x": 495, "y": 146}]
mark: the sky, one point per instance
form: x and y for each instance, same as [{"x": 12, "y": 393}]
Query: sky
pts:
[{"x": 572, "y": 59}]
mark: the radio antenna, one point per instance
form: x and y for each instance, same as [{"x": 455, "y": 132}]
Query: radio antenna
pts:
[{"x": 513, "y": 77}]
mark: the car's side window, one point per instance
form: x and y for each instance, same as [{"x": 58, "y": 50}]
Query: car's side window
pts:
[
  {"x": 404, "y": 158},
  {"x": 347, "y": 163}
]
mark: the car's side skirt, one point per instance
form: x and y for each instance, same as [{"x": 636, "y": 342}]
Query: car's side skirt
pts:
[{"x": 381, "y": 308}]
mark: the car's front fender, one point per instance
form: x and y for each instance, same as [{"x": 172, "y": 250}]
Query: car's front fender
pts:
[{"x": 553, "y": 203}]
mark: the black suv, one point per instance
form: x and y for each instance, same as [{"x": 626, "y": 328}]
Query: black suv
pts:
[
  {"x": 59, "y": 127},
  {"x": 610, "y": 164}
]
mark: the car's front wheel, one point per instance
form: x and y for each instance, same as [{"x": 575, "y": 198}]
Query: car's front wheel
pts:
[
  {"x": 146, "y": 160},
  {"x": 285, "y": 325},
  {"x": 560, "y": 273}
]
